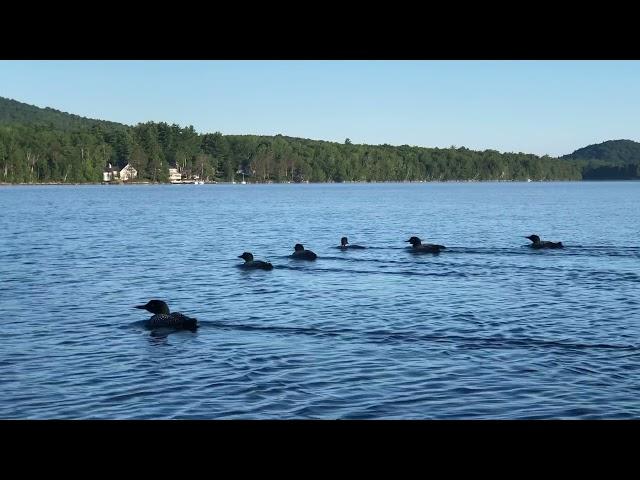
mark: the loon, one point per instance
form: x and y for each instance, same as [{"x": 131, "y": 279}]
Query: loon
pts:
[
  {"x": 344, "y": 244},
  {"x": 537, "y": 243},
  {"x": 301, "y": 254},
  {"x": 162, "y": 317},
  {"x": 249, "y": 262},
  {"x": 419, "y": 247}
]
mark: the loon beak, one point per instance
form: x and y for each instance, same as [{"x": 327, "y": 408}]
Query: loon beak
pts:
[
  {"x": 140, "y": 306},
  {"x": 240, "y": 256}
]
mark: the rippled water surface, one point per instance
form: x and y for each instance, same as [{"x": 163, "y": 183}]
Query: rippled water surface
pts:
[{"x": 487, "y": 329}]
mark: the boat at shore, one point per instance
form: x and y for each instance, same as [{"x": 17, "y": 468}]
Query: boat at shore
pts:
[{"x": 187, "y": 182}]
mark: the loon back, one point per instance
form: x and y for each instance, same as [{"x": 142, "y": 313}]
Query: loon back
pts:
[
  {"x": 301, "y": 254},
  {"x": 257, "y": 264},
  {"x": 249, "y": 262},
  {"x": 173, "y": 320},
  {"x": 428, "y": 248},
  {"x": 162, "y": 317},
  {"x": 418, "y": 247},
  {"x": 537, "y": 243},
  {"x": 304, "y": 255},
  {"x": 547, "y": 244}
]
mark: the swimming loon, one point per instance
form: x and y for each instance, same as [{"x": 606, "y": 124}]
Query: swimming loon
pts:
[
  {"x": 419, "y": 247},
  {"x": 537, "y": 243},
  {"x": 162, "y": 317},
  {"x": 249, "y": 262},
  {"x": 301, "y": 254},
  {"x": 344, "y": 244}
]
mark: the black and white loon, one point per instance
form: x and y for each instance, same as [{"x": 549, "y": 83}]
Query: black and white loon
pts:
[
  {"x": 249, "y": 262},
  {"x": 418, "y": 247},
  {"x": 537, "y": 243},
  {"x": 162, "y": 318},
  {"x": 344, "y": 245},
  {"x": 301, "y": 254}
]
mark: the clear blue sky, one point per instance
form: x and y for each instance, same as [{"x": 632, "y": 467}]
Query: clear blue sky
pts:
[{"x": 542, "y": 107}]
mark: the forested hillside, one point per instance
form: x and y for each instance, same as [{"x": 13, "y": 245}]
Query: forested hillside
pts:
[
  {"x": 610, "y": 160},
  {"x": 12, "y": 111},
  {"x": 45, "y": 145}
]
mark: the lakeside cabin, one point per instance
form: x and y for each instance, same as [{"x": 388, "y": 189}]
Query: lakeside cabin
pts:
[
  {"x": 128, "y": 173},
  {"x": 110, "y": 174},
  {"x": 175, "y": 176}
]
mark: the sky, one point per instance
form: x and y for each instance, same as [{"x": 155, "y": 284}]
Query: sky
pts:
[{"x": 541, "y": 107}]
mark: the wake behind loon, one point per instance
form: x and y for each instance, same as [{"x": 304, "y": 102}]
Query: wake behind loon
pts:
[
  {"x": 537, "y": 243},
  {"x": 418, "y": 247},
  {"x": 162, "y": 318},
  {"x": 344, "y": 245},
  {"x": 301, "y": 254},
  {"x": 250, "y": 263}
]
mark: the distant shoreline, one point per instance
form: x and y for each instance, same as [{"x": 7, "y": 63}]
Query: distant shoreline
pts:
[{"x": 314, "y": 183}]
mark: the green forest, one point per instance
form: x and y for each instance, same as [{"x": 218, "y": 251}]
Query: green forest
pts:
[{"x": 41, "y": 145}]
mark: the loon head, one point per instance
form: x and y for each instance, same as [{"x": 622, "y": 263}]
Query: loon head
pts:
[
  {"x": 247, "y": 256},
  {"x": 344, "y": 241},
  {"x": 534, "y": 238},
  {"x": 155, "y": 307},
  {"x": 415, "y": 241},
  {"x": 298, "y": 247}
]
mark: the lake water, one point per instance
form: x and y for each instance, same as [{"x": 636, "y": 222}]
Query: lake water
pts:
[{"x": 487, "y": 329}]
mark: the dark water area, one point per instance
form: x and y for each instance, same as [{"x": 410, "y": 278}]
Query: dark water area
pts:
[{"x": 489, "y": 328}]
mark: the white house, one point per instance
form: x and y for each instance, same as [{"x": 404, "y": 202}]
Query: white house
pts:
[
  {"x": 110, "y": 174},
  {"x": 174, "y": 175},
  {"x": 128, "y": 173}
]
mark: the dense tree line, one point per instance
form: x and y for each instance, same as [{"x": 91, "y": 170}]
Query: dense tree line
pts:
[
  {"x": 37, "y": 153},
  {"x": 610, "y": 160},
  {"x": 44, "y": 145}
]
